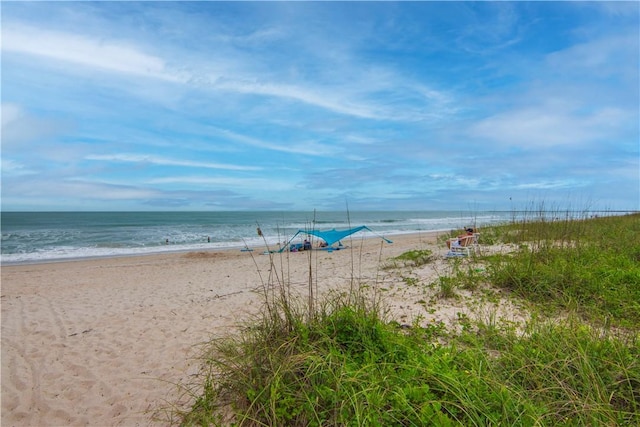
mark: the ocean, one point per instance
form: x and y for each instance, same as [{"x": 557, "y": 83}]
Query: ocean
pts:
[{"x": 32, "y": 237}]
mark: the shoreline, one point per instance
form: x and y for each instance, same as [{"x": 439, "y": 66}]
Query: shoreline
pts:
[
  {"x": 104, "y": 341},
  {"x": 212, "y": 248}
]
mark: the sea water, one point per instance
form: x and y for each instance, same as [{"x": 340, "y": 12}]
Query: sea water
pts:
[{"x": 30, "y": 237}]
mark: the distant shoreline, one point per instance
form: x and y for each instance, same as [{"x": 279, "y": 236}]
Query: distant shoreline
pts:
[
  {"x": 169, "y": 252},
  {"x": 42, "y": 238}
]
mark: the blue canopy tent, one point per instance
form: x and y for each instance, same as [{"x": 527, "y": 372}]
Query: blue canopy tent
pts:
[{"x": 331, "y": 236}]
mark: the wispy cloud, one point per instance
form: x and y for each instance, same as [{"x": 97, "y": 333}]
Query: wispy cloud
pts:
[
  {"x": 123, "y": 57},
  {"x": 227, "y": 182},
  {"x": 549, "y": 185},
  {"x": 162, "y": 161},
  {"x": 305, "y": 147},
  {"x": 409, "y": 105},
  {"x": 20, "y": 128},
  {"x": 111, "y": 56},
  {"x": 537, "y": 128},
  {"x": 14, "y": 168}
]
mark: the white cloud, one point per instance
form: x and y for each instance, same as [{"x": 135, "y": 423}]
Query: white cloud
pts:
[
  {"x": 249, "y": 183},
  {"x": 95, "y": 53},
  {"x": 456, "y": 180},
  {"x": 598, "y": 57},
  {"x": 14, "y": 168},
  {"x": 76, "y": 190},
  {"x": 530, "y": 128},
  {"x": 10, "y": 114},
  {"x": 543, "y": 127},
  {"x": 549, "y": 185},
  {"x": 386, "y": 101},
  {"x": 328, "y": 100},
  {"x": 163, "y": 161},
  {"x": 235, "y": 74},
  {"x": 19, "y": 127},
  {"x": 101, "y": 191},
  {"x": 309, "y": 148}
]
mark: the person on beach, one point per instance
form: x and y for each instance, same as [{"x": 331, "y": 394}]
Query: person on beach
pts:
[{"x": 458, "y": 241}]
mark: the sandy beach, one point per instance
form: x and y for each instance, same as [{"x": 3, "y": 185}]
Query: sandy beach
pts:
[{"x": 104, "y": 342}]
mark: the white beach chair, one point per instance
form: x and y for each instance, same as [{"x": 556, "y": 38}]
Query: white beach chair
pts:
[{"x": 461, "y": 246}]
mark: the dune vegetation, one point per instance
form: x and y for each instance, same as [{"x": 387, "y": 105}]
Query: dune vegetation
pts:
[{"x": 336, "y": 360}]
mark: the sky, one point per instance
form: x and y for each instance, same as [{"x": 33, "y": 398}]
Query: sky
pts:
[{"x": 320, "y": 105}]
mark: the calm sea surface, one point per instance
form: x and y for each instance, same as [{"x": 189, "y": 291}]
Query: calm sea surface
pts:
[{"x": 48, "y": 236}]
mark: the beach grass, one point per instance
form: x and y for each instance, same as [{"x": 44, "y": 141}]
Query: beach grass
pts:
[
  {"x": 589, "y": 266},
  {"x": 339, "y": 361}
]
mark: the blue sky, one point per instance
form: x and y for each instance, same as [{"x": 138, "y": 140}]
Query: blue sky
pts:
[{"x": 299, "y": 106}]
